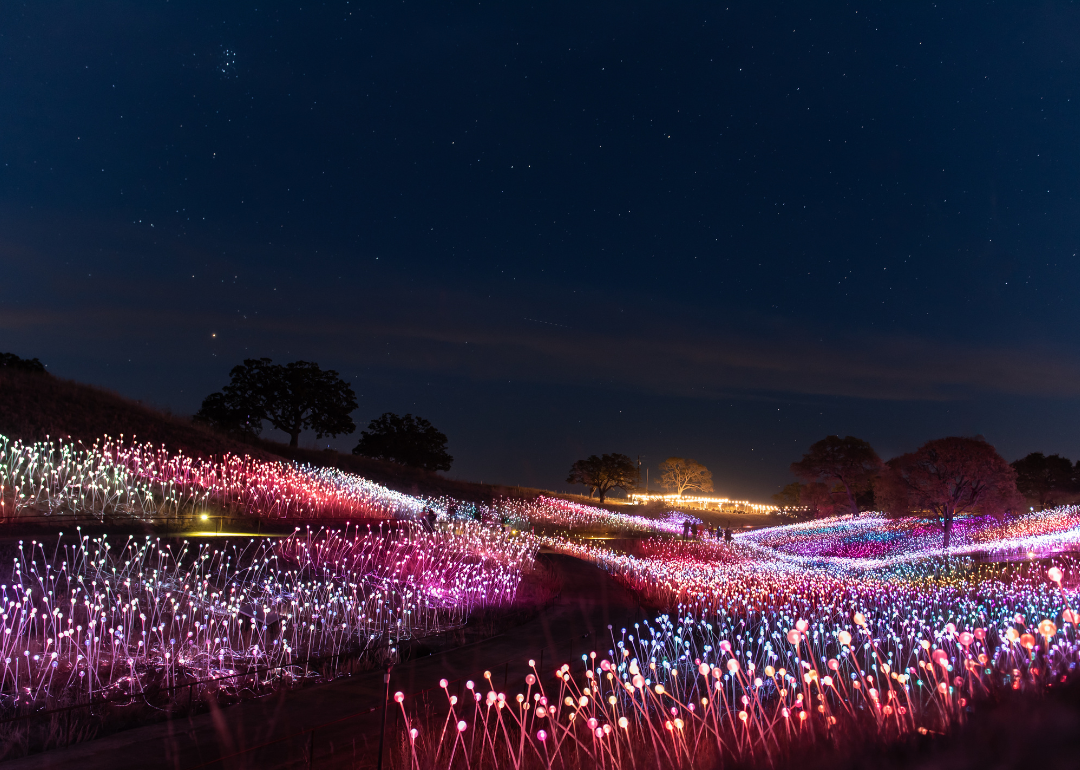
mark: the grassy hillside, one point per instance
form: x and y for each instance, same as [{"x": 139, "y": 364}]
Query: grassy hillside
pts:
[{"x": 36, "y": 406}]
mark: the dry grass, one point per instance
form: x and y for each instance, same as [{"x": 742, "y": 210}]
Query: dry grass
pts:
[{"x": 35, "y": 406}]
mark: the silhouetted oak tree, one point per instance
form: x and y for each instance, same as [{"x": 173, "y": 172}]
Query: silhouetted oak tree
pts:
[
  {"x": 681, "y": 474},
  {"x": 850, "y": 462},
  {"x": 236, "y": 417},
  {"x": 814, "y": 499},
  {"x": 406, "y": 440},
  {"x": 790, "y": 496},
  {"x": 605, "y": 473},
  {"x": 1045, "y": 480},
  {"x": 292, "y": 397},
  {"x": 947, "y": 477},
  {"x": 821, "y": 501},
  {"x": 12, "y": 361}
]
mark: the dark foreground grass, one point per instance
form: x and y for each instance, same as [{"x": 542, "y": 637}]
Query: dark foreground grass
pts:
[{"x": 1019, "y": 731}]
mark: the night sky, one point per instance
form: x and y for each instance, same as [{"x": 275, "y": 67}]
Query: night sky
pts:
[{"x": 706, "y": 230}]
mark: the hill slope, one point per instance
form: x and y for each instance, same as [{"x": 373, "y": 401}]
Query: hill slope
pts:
[{"x": 34, "y": 406}]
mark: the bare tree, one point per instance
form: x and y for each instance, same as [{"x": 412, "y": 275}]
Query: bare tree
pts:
[{"x": 681, "y": 474}]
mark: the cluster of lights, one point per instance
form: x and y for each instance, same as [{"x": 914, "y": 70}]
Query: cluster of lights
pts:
[
  {"x": 782, "y": 633},
  {"x": 870, "y": 542},
  {"x": 701, "y": 501},
  {"x": 776, "y": 638},
  {"x": 694, "y": 691},
  {"x": 577, "y": 517},
  {"x": 114, "y": 477},
  {"x": 93, "y": 618}
]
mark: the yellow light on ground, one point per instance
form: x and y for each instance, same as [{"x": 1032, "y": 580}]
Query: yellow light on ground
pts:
[{"x": 236, "y": 534}]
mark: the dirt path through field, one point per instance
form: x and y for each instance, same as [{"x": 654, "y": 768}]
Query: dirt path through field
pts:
[{"x": 345, "y": 712}]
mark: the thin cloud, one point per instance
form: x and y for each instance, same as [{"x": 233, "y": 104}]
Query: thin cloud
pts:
[{"x": 662, "y": 358}]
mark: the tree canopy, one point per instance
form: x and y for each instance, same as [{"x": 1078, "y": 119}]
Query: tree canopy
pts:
[
  {"x": 681, "y": 475},
  {"x": 1045, "y": 480},
  {"x": 947, "y": 477},
  {"x": 604, "y": 473},
  {"x": 849, "y": 462},
  {"x": 822, "y": 501},
  {"x": 405, "y": 440},
  {"x": 291, "y": 397},
  {"x": 12, "y": 361},
  {"x": 790, "y": 497}
]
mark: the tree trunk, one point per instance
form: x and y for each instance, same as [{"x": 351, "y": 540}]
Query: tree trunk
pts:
[
  {"x": 851, "y": 499},
  {"x": 948, "y": 532},
  {"x": 601, "y": 493},
  {"x": 294, "y": 438}
]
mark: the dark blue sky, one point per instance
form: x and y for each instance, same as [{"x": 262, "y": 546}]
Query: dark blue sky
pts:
[{"x": 717, "y": 231}]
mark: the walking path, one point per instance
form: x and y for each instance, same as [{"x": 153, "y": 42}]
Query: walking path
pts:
[{"x": 345, "y": 712}]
